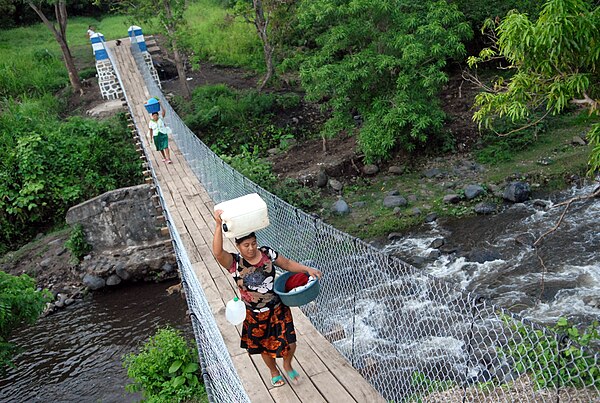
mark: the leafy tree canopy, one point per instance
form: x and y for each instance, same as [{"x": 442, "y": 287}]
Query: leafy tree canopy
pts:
[
  {"x": 555, "y": 61},
  {"x": 382, "y": 60}
]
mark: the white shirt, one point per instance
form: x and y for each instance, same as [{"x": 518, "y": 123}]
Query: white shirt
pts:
[{"x": 158, "y": 126}]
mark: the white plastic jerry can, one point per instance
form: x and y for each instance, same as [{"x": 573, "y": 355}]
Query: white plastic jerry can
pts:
[
  {"x": 235, "y": 311},
  {"x": 243, "y": 215}
]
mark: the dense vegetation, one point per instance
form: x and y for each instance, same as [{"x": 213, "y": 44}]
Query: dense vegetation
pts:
[
  {"x": 383, "y": 60},
  {"x": 50, "y": 163}
]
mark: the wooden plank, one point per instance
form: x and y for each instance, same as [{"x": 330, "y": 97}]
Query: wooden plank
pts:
[
  {"x": 331, "y": 390},
  {"x": 191, "y": 251},
  {"x": 255, "y": 388},
  {"x": 309, "y": 360},
  {"x": 284, "y": 394},
  {"x": 346, "y": 375},
  {"x": 305, "y": 389}
]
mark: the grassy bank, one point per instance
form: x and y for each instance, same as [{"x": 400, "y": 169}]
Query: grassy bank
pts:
[{"x": 547, "y": 163}]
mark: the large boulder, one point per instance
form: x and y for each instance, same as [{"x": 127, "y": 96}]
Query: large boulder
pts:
[
  {"x": 472, "y": 191},
  {"x": 517, "y": 192},
  {"x": 394, "y": 201}
]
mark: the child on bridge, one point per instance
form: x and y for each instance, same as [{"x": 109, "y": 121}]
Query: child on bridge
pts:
[{"x": 158, "y": 131}]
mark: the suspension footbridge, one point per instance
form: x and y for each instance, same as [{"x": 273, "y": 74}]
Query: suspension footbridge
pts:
[
  {"x": 326, "y": 374},
  {"x": 380, "y": 330}
]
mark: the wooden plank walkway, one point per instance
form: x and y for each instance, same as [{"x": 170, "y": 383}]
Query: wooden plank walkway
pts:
[{"x": 326, "y": 375}]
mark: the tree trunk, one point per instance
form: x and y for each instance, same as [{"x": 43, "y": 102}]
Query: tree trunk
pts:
[
  {"x": 60, "y": 11},
  {"x": 181, "y": 72},
  {"x": 261, "y": 23},
  {"x": 171, "y": 32}
]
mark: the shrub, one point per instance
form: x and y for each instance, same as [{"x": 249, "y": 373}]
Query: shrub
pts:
[
  {"x": 297, "y": 195},
  {"x": 249, "y": 164},
  {"x": 552, "y": 363},
  {"x": 77, "y": 244},
  {"x": 19, "y": 303},
  {"x": 166, "y": 369},
  {"x": 88, "y": 72},
  {"x": 230, "y": 120}
]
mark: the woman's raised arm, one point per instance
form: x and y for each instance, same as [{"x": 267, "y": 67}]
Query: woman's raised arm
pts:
[{"x": 224, "y": 258}]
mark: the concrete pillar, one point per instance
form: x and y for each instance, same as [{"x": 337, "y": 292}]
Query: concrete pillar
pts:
[
  {"x": 107, "y": 79},
  {"x": 136, "y": 36}
]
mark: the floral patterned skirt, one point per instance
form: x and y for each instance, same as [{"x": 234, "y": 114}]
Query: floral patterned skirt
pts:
[{"x": 269, "y": 332}]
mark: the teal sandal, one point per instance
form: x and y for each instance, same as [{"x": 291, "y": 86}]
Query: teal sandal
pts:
[
  {"x": 294, "y": 375},
  {"x": 277, "y": 381}
]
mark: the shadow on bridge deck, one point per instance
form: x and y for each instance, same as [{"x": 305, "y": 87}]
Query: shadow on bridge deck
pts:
[{"x": 326, "y": 375}]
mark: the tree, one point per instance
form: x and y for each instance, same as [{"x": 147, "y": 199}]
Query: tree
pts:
[
  {"x": 259, "y": 15},
  {"x": 556, "y": 62},
  {"x": 59, "y": 30},
  {"x": 171, "y": 21},
  {"x": 379, "y": 65}
]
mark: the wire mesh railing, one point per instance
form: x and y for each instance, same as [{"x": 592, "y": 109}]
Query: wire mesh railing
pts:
[{"x": 412, "y": 336}]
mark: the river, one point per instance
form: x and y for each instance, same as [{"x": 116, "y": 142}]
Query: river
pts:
[
  {"x": 75, "y": 355},
  {"x": 512, "y": 275}
]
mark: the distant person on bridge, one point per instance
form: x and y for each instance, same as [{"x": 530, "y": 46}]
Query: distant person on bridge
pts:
[
  {"x": 268, "y": 329},
  {"x": 158, "y": 131},
  {"x": 90, "y": 31}
]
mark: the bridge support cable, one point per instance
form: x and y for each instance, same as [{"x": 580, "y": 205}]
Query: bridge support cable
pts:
[{"x": 409, "y": 334}]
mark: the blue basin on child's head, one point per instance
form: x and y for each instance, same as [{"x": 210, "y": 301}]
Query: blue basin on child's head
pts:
[
  {"x": 295, "y": 298},
  {"x": 152, "y": 105}
]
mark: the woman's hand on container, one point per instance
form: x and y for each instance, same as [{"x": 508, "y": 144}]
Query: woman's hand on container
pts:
[
  {"x": 218, "y": 219},
  {"x": 314, "y": 272}
]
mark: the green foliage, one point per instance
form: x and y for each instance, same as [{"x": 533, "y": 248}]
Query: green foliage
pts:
[
  {"x": 479, "y": 11},
  {"x": 259, "y": 171},
  {"x": 77, "y": 244},
  {"x": 19, "y": 303},
  {"x": 230, "y": 120},
  {"x": 555, "y": 60},
  {"x": 297, "y": 195},
  {"x": 550, "y": 362},
  {"x": 383, "y": 60},
  {"x": 594, "y": 139},
  {"x": 166, "y": 369},
  {"x": 88, "y": 72},
  {"x": 249, "y": 164},
  {"x": 48, "y": 166},
  {"x": 218, "y": 106},
  {"x": 426, "y": 385}
]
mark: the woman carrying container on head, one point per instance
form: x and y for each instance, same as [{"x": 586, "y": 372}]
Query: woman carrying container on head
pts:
[
  {"x": 268, "y": 329},
  {"x": 158, "y": 131}
]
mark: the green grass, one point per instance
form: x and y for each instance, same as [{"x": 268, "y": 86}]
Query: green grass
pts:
[
  {"x": 31, "y": 62},
  {"x": 555, "y": 144},
  {"x": 215, "y": 35}
]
